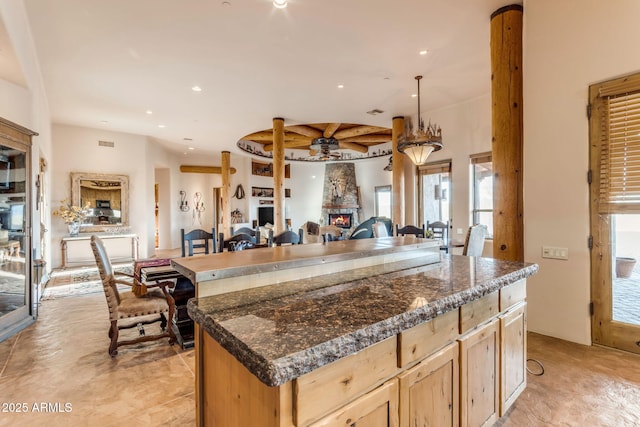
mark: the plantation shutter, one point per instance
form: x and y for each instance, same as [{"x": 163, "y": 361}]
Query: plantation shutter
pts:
[
  {"x": 619, "y": 129},
  {"x": 436, "y": 167}
]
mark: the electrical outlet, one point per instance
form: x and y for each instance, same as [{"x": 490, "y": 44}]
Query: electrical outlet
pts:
[{"x": 555, "y": 252}]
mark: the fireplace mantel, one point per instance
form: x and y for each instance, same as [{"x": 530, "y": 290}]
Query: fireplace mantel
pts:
[{"x": 340, "y": 207}]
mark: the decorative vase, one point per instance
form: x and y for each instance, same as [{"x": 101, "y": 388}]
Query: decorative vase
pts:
[{"x": 74, "y": 229}]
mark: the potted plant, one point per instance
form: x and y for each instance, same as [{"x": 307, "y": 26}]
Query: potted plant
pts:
[
  {"x": 624, "y": 267},
  {"x": 72, "y": 215}
]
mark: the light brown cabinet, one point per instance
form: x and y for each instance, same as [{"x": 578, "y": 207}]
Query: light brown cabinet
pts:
[
  {"x": 465, "y": 367},
  {"x": 513, "y": 344},
  {"x": 378, "y": 408},
  {"x": 429, "y": 392},
  {"x": 479, "y": 375}
]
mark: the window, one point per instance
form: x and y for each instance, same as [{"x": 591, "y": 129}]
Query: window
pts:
[
  {"x": 383, "y": 201},
  {"x": 435, "y": 191},
  {"x": 482, "y": 191}
]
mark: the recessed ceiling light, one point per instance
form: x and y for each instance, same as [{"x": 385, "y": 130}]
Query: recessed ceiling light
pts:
[
  {"x": 191, "y": 148},
  {"x": 413, "y": 95},
  {"x": 149, "y": 112},
  {"x": 280, "y": 4},
  {"x": 161, "y": 126},
  {"x": 104, "y": 122},
  {"x": 340, "y": 86},
  {"x": 424, "y": 52},
  {"x": 196, "y": 89}
]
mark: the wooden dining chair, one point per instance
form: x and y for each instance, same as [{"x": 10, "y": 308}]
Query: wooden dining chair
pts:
[
  {"x": 286, "y": 238},
  {"x": 440, "y": 230},
  {"x": 197, "y": 242},
  {"x": 410, "y": 229},
  {"x": 251, "y": 232},
  {"x": 233, "y": 241},
  {"x": 130, "y": 309}
]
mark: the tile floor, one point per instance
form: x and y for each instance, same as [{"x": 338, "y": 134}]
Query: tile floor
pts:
[{"x": 62, "y": 359}]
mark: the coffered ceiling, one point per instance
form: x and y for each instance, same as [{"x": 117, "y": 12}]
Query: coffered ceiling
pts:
[{"x": 131, "y": 66}]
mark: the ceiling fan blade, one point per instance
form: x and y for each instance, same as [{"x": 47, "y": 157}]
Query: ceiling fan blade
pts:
[{"x": 330, "y": 129}]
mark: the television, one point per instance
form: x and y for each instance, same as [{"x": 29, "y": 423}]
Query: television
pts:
[{"x": 265, "y": 215}]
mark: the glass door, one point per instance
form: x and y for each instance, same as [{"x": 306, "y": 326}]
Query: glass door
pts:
[
  {"x": 614, "y": 134},
  {"x": 434, "y": 189},
  {"x": 16, "y": 309}
]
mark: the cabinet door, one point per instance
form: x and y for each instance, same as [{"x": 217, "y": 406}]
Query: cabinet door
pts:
[
  {"x": 513, "y": 345},
  {"x": 378, "y": 408},
  {"x": 18, "y": 293},
  {"x": 479, "y": 375},
  {"x": 429, "y": 392}
]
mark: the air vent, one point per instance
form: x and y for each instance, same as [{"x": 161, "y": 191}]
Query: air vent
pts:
[
  {"x": 375, "y": 112},
  {"x": 106, "y": 144}
]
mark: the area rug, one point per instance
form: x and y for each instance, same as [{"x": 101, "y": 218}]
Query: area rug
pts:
[{"x": 79, "y": 281}]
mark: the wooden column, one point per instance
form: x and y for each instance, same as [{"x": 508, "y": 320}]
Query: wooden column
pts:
[
  {"x": 397, "y": 159},
  {"x": 278, "y": 175},
  {"x": 507, "y": 141},
  {"x": 225, "y": 193}
]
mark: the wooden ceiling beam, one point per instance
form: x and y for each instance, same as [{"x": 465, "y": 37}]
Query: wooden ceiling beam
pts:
[
  {"x": 304, "y": 130},
  {"x": 204, "y": 169},
  {"x": 356, "y": 131},
  {"x": 290, "y": 144},
  {"x": 330, "y": 129},
  {"x": 368, "y": 138},
  {"x": 353, "y": 146}
]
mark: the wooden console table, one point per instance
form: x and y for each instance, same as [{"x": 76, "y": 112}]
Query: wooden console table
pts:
[{"x": 77, "y": 250}]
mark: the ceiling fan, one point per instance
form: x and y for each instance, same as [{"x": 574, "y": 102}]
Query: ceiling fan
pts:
[
  {"x": 325, "y": 139},
  {"x": 323, "y": 148}
]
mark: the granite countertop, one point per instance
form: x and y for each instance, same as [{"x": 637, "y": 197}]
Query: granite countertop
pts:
[{"x": 280, "y": 332}]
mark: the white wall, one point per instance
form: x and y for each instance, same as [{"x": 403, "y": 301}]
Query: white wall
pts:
[
  {"x": 28, "y": 106},
  {"x": 466, "y": 130},
  {"x": 370, "y": 174},
  {"x": 568, "y": 45}
]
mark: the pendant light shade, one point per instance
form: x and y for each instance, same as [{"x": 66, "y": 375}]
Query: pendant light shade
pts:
[{"x": 419, "y": 144}]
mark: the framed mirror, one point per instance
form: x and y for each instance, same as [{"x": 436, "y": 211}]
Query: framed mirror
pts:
[{"x": 107, "y": 197}]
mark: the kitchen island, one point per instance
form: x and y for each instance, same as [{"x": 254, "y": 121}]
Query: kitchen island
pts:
[{"x": 416, "y": 336}]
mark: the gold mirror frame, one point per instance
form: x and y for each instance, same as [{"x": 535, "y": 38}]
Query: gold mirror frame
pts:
[{"x": 122, "y": 180}]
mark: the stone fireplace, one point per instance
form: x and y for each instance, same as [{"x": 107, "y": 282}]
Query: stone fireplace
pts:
[
  {"x": 342, "y": 220},
  {"x": 340, "y": 197}
]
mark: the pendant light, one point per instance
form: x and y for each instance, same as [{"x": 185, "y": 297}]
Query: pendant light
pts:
[{"x": 419, "y": 144}]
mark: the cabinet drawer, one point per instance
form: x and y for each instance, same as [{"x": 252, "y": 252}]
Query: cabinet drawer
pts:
[
  {"x": 376, "y": 408},
  {"x": 478, "y": 311},
  {"x": 330, "y": 387},
  {"x": 420, "y": 341},
  {"x": 513, "y": 294}
]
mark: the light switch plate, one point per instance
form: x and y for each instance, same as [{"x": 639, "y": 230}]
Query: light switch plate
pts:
[
  {"x": 459, "y": 230},
  {"x": 555, "y": 252}
]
